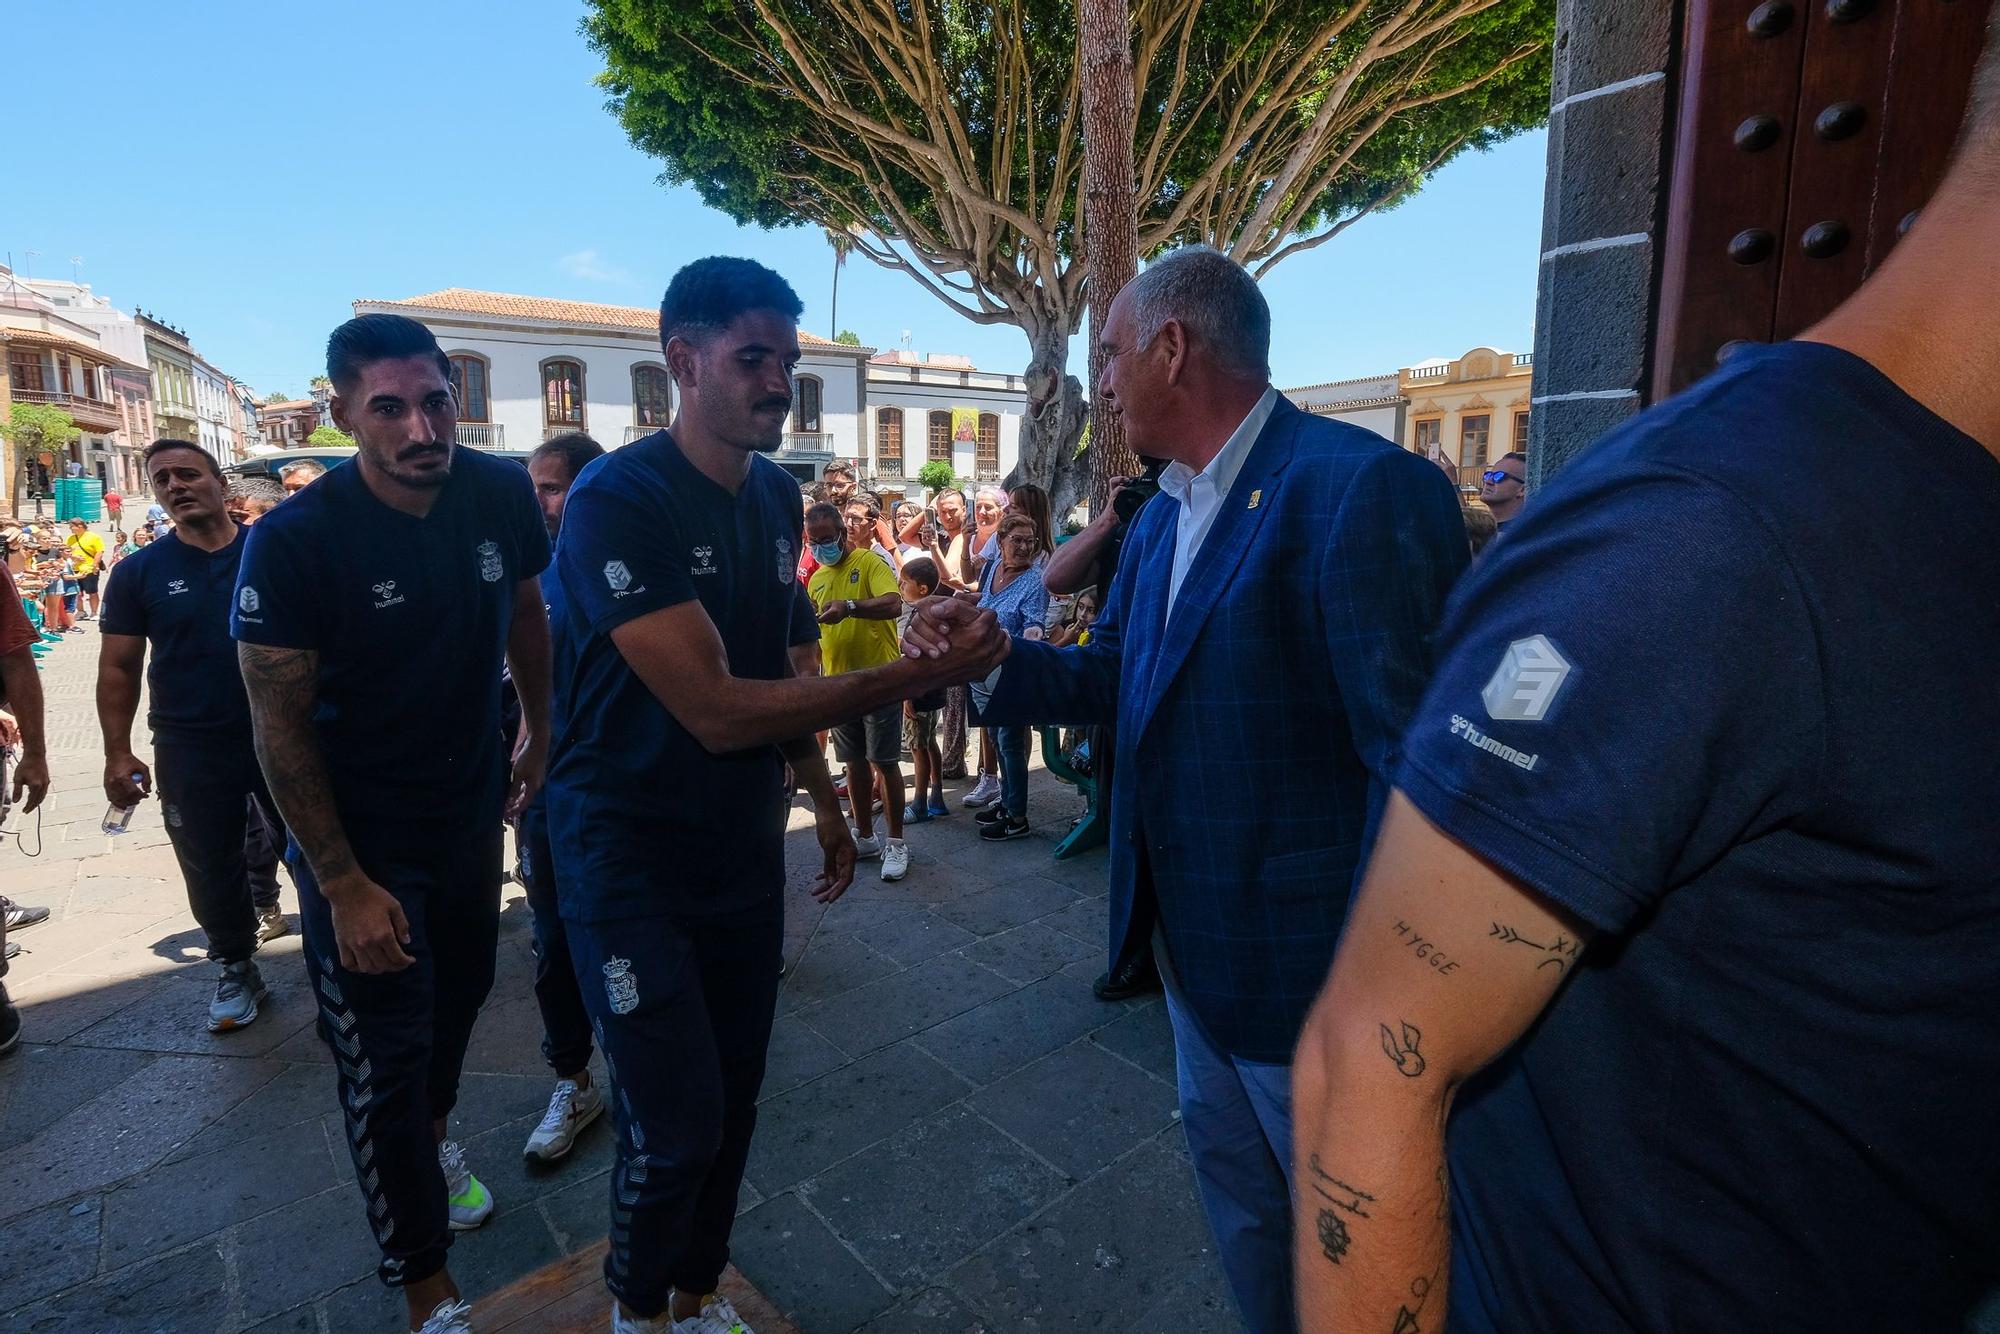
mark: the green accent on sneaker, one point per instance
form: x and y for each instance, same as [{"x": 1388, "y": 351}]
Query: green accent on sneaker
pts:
[{"x": 473, "y": 1197}]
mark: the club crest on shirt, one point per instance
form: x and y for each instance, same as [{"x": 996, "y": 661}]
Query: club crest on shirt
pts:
[
  {"x": 788, "y": 565},
  {"x": 617, "y": 575},
  {"x": 1524, "y": 686},
  {"x": 247, "y": 599},
  {"x": 620, "y": 987},
  {"x": 490, "y": 568},
  {"x": 706, "y": 557}
]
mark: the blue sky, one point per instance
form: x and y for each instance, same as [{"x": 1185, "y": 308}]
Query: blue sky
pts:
[{"x": 248, "y": 170}]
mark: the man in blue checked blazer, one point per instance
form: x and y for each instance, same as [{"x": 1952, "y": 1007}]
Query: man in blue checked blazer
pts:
[{"x": 1266, "y": 639}]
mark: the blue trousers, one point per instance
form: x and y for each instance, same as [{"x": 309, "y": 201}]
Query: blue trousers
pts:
[
  {"x": 1012, "y": 743},
  {"x": 565, "y": 1025},
  {"x": 1238, "y": 1119},
  {"x": 682, "y": 1007}
]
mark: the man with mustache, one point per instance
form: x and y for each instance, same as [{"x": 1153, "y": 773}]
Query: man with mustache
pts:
[{"x": 372, "y": 614}]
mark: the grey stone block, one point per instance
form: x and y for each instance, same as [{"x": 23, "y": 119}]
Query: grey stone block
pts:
[
  {"x": 300, "y": 1320},
  {"x": 1601, "y": 42},
  {"x": 510, "y": 1246},
  {"x": 298, "y": 1093},
  {"x": 1080, "y": 1108},
  {"x": 1007, "y": 905},
  {"x": 306, "y": 1250},
  {"x": 1607, "y": 180},
  {"x": 51, "y": 1249},
  {"x": 515, "y": 1182},
  {"x": 809, "y": 1129},
  {"x": 921, "y": 1201},
  {"x": 932, "y": 1311},
  {"x": 1088, "y": 920},
  {"x": 1121, "y": 1243},
  {"x": 1005, "y": 1034},
  {"x": 1563, "y": 431},
  {"x": 913, "y": 937},
  {"x": 1028, "y": 953},
  {"x": 580, "y": 1213},
  {"x": 1144, "y": 1037},
  {"x": 909, "y": 1002},
  {"x": 834, "y": 963},
  {"x": 179, "y": 1202},
  {"x": 803, "y": 1269},
  {"x": 1595, "y": 311},
  {"x": 797, "y": 1055},
  {"x": 183, "y": 1294},
  {"x": 365, "y": 1305},
  {"x": 44, "y": 1083}
]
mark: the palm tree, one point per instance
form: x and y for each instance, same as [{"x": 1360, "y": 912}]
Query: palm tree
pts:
[
  {"x": 843, "y": 245},
  {"x": 1110, "y": 208}
]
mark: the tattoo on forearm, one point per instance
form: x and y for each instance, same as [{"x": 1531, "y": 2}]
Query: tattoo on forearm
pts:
[
  {"x": 1406, "y": 1314},
  {"x": 1560, "y": 952},
  {"x": 1334, "y": 1237},
  {"x": 283, "y": 685},
  {"x": 1426, "y": 949},
  {"x": 1403, "y": 1049}
]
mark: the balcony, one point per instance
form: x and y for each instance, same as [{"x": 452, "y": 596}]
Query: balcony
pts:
[
  {"x": 807, "y": 442},
  {"x": 1524, "y": 359},
  {"x": 482, "y": 435},
  {"x": 634, "y": 434},
  {"x": 87, "y": 411}
]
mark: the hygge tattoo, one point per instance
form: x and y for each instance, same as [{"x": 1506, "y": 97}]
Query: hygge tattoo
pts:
[
  {"x": 1426, "y": 949},
  {"x": 1560, "y": 952},
  {"x": 1403, "y": 1049},
  {"x": 1334, "y": 1237}
]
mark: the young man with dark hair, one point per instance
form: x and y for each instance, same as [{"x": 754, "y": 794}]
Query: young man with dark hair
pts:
[
  {"x": 174, "y": 596},
  {"x": 679, "y": 566},
  {"x": 1692, "y": 842},
  {"x": 566, "y": 1045},
  {"x": 1503, "y": 488},
  {"x": 372, "y": 615}
]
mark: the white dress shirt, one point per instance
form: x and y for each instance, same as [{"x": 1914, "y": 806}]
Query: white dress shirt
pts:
[{"x": 1200, "y": 494}]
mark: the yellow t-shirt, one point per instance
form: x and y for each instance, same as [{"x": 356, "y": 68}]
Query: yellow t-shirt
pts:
[
  {"x": 86, "y": 549},
  {"x": 854, "y": 643}
]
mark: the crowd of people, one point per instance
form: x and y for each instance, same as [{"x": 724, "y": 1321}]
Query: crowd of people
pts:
[{"x": 1602, "y": 939}]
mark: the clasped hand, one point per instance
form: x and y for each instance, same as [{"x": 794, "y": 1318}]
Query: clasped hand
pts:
[{"x": 962, "y": 642}]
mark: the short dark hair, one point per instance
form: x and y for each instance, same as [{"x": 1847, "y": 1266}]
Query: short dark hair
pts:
[
  {"x": 921, "y": 571},
  {"x": 831, "y": 513},
  {"x": 837, "y": 468},
  {"x": 367, "y": 339},
  {"x": 706, "y": 297},
  {"x": 574, "y": 448},
  {"x": 1513, "y": 454},
  {"x": 161, "y": 446}
]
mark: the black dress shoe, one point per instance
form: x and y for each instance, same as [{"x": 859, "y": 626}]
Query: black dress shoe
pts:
[{"x": 1135, "y": 978}]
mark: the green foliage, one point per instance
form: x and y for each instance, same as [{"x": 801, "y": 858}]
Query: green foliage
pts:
[
  {"x": 37, "y": 426},
  {"x": 848, "y": 338},
  {"x": 277, "y": 396},
  {"x": 937, "y": 475},
  {"x": 329, "y": 437}
]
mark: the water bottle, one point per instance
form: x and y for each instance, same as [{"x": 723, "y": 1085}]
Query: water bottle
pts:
[{"x": 118, "y": 819}]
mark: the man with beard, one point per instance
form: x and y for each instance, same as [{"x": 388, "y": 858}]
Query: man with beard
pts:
[
  {"x": 679, "y": 566},
  {"x": 372, "y": 615},
  {"x": 174, "y": 596}
]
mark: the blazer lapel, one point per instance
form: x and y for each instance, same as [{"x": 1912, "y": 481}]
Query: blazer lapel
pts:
[{"x": 1214, "y": 565}]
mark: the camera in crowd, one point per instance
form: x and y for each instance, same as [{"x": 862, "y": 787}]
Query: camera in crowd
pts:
[{"x": 1139, "y": 490}]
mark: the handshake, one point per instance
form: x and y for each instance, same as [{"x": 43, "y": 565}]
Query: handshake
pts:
[{"x": 956, "y": 639}]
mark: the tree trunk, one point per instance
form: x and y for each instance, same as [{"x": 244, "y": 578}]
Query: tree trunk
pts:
[
  {"x": 833, "y": 319},
  {"x": 1053, "y": 421},
  {"x": 1110, "y": 209}
]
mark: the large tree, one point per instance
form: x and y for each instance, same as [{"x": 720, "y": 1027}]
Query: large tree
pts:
[{"x": 946, "y": 135}]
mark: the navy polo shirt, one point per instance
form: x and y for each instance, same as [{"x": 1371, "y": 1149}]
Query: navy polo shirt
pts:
[
  {"x": 1725, "y": 693},
  {"x": 409, "y": 617},
  {"x": 176, "y": 596},
  {"x": 642, "y": 819}
]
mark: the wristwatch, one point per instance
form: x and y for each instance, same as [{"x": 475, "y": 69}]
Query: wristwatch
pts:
[{"x": 850, "y": 606}]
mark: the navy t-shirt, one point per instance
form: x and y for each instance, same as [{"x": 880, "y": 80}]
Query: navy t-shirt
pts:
[
  {"x": 642, "y": 819},
  {"x": 1722, "y": 694},
  {"x": 410, "y": 619},
  {"x": 177, "y": 597}
]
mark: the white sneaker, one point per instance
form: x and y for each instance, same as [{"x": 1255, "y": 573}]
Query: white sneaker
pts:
[
  {"x": 866, "y": 848},
  {"x": 663, "y": 1323},
  {"x": 451, "y": 1317},
  {"x": 570, "y": 1110},
  {"x": 722, "y": 1316},
  {"x": 467, "y": 1201},
  {"x": 984, "y": 792},
  {"x": 895, "y": 859}
]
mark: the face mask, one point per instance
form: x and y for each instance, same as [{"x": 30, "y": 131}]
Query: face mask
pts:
[{"x": 827, "y": 553}]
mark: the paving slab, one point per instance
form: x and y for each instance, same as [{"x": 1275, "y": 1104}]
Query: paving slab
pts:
[
  {"x": 1080, "y": 1108},
  {"x": 1004, "y": 1034},
  {"x": 799, "y": 1263},
  {"x": 818, "y": 1124},
  {"x": 1007, "y": 905},
  {"x": 932, "y": 1311},
  {"x": 1028, "y": 953},
  {"x": 1145, "y": 1037},
  {"x": 49, "y": 1249},
  {"x": 905, "y": 1003}
]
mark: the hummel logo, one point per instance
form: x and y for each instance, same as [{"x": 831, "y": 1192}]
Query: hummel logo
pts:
[
  {"x": 707, "y": 566},
  {"x": 386, "y": 594},
  {"x": 176, "y": 586}
]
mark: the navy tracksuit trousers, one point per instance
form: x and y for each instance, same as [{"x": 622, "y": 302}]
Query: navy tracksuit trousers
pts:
[
  {"x": 399, "y": 1039},
  {"x": 682, "y": 1007},
  {"x": 225, "y": 830},
  {"x": 565, "y": 1024}
]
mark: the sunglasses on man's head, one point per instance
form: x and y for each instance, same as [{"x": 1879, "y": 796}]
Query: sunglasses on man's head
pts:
[{"x": 1498, "y": 476}]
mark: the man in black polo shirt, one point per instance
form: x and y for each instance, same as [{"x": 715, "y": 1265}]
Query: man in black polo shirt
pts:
[
  {"x": 175, "y": 595},
  {"x": 372, "y": 615},
  {"x": 679, "y": 562}
]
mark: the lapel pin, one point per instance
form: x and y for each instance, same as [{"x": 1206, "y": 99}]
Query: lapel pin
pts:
[{"x": 1256, "y": 496}]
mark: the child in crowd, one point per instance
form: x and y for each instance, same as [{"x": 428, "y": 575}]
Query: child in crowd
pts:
[
  {"x": 1075, "y": 629},
  {"x": 920, "y": 579}
]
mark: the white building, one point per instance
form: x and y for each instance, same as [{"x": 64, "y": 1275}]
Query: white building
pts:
[
  {"x": 528, "y": 368},
  {"x": 212, "y": 396},
  {"x": 1373, "y": 402}
]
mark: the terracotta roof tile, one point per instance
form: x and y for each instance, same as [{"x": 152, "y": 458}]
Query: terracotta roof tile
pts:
[{"x": 465, "y": 300}]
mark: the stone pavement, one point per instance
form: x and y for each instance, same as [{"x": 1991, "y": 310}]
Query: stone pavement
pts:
[{"x": 954, "y": 1136}]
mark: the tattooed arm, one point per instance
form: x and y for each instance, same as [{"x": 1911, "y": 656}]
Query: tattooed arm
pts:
[
  {"x": 1390, "y": 1040},
  {"x": 368, "y": 922}
]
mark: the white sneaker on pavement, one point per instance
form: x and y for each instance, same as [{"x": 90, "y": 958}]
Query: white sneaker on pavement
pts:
[
  {"x": 570, "y": 1110},
  {"x": 895, "y": 859},
  {"x": 663, "y": 1323},
  {"x": 722, "y": 1316},
  {"x": 865, "y": 848},
  {"x": 984, "y": 792},
  {"x": 271, "y": 923},
  {"x": 450, "y": 1317},
  {"x": 237, "y": 992},
  {"x": 467, "y": 1201}
]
